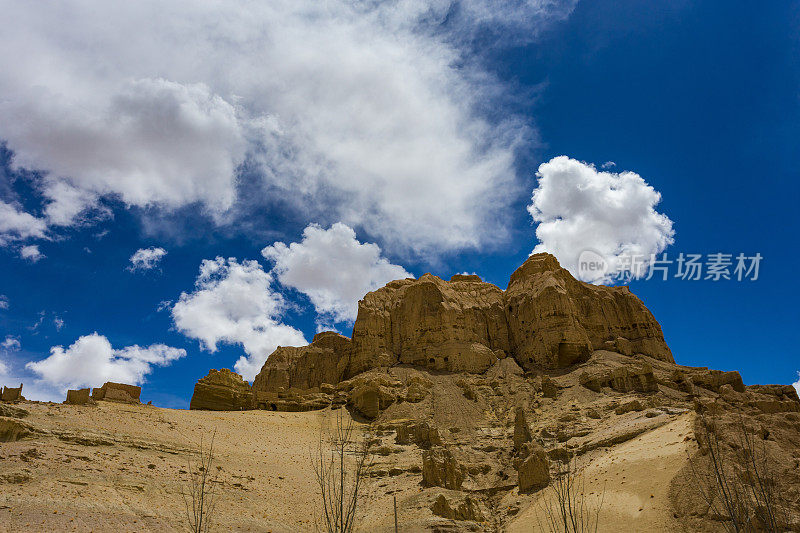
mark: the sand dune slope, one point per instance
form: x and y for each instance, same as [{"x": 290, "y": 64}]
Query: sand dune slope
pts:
[{"x": 632, "y": 480}]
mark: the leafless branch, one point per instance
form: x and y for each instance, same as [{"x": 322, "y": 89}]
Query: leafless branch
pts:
[
  {"x": 340, "y": 465},
  {"x": 568, "y": 510},
  {"x": 736, "y": 479},
  {"x": 202, "y": 489}
]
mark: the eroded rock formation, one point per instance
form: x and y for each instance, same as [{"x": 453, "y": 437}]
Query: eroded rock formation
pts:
[
  {"x": 458, "y": 325},
  {"x": 12, "y": 394},
  {"x": 545, "y": 319},
  {"x": 555, "y": 320},
  {"x": 533, "y": 468},
  {"x": 306, "y": 367},
  {"x": 117, "y": 392},
  {"x": 222, "y": 390},
  {"x": 78, "y": 397},
  {"x": 440, "y": 468}
]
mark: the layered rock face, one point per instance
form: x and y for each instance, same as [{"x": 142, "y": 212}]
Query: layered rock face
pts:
[
  {"x": 118, "y": 392},
  {"x": 222, "y": 390},
  {"x": 545, "y": 319},
  {"x": 306, "y": 367},
  {"x": 78, "y": 397},
  {"x": 459, "y": 326},
  {"x": 555, "y": 320}
]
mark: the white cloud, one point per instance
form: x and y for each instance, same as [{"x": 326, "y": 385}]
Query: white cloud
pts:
[
  {"x": 17, "y": 225},
  {"x": 33, "y": 389},
  {"x": 10, "y": 344},
  {"x": 333, "y": 269},
  {"x": 366, "y": 111},
  {"x": 91, "y": 361},
  {"x": 146, "y": 258},
  {"x": 66, "y": 203},
  {"x": 234, "y": 303},
  {"x": 58, "y": 322},
  {"x": 579, "y": 208},
  {"x": 149, "y": 141},
  {"x": 4, "y": 302},
  {"x": 797, "y": 383},
  {"x": 31, "y": 253}
]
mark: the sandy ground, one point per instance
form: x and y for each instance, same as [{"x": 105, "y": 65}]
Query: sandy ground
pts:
[
  {"x": 631, "y": 480},
  {"x": 118, "y": 467}
]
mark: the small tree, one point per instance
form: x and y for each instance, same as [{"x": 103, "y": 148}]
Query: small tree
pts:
[
  {"x": 202, "y": 489},
  {"x": 568, "y": 511},
  {"x": 737, "y": 481},
  {"x": 340, "y": 465}
]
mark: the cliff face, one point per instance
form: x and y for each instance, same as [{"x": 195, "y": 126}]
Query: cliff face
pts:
[
  {"x": 458, "y": 325},
  {"x": 545, "y": 319},
  {"x": 305, "y": 367},
  {"x": 222, "y": 390},
  {"x": 555, "y": 320},
  {"x": 478, "y": 395}
]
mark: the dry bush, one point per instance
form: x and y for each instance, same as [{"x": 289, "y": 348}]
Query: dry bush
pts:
[
  {"x": 202, "y": 489},
  {"x": 737, "y": 479},
  {"x": 340, "y": 465},
  {"x": 569, "y": 510}
]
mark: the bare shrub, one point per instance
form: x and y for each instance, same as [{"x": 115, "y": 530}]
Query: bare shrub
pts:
[
  {"x": 737, "y": 480},
  {"x": 340, "y": 465},
  {"x": 202, "y": 489},
  {"x": 568, "y": 510}
]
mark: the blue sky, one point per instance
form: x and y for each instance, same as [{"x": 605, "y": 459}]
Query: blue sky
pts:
[{"x": 411, "y": 135}]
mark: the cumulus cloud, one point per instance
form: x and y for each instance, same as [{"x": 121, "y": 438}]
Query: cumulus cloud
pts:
[
  {"x": 333, "y": 269},
  {"x": 148, "y": 141},
  {"x": 4, "y": 302},
  {"x": 797, "y": 383},
  {"x": 367, "y": 111},
  {"x": 235, "y": 303},
  {"x": 10, "y": 344},
  {"x": 31, "y": 253},
  {"x": 16, "y": 224},
  {"x": 91, "y": 361},
  {"x": 146, "y": 258},
  {"x": 578, "y": 208}
]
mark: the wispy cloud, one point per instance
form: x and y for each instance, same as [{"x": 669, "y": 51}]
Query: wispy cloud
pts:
[
  {"x": 15, "y": 224},
  {"x": 146, "y": 258},
  {"x": 10, "y": 344},
  {"x": 31, "y": 253}
]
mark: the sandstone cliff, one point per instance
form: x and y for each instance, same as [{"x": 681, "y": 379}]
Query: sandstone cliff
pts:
[
  {"x": 555, "y": 320},
  {"x": 545, "y": 319},
  {"x": 475, "y": 403},
  {"x": 222, "y": 390},
  {"x": 305, "y": 367}
]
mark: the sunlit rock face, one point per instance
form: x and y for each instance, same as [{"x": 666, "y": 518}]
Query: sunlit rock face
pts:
[
  {"x": 545, "y": 319},
  {"x": 555, "y": 320},
  {"x": 222, "y": 390}
]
